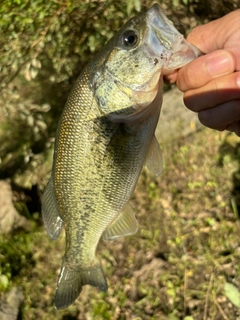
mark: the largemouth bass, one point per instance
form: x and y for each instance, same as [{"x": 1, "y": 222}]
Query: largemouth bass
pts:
[{"x": 105, "y": 136}]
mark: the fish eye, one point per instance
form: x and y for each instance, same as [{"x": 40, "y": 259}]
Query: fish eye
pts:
[{"x": 130, "y": 38}]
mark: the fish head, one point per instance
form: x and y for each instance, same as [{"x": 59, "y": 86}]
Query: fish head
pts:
[{"x": 147, "y": 47}]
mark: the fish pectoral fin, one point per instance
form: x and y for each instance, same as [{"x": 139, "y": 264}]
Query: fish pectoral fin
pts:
[
  {"x": 51, "y": 218},
  {"x": 154, "y": 157},
  {"x": 124, "y": 225},
  {"x": 71, "y": 280}
]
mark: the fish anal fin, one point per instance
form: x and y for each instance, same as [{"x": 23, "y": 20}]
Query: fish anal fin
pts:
[
  {"x": 154, "y": 157},
  {"x": 124, "y": 225},
  {"x": 71, "y": 280},
  {"x": 51, "y": 218}
]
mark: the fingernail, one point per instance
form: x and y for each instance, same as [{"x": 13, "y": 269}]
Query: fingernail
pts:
[
  {"x": 220, "y": 64},
  {"x": 238, "y": 81}
]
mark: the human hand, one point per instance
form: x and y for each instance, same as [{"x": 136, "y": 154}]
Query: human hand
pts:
[{"x": 212, "y": 82}]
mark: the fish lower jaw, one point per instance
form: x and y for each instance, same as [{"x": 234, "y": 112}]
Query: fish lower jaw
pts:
[{"x": 185, "y": 53}]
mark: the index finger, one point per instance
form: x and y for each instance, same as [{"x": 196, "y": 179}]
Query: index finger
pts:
[{"x": 218, "y": 34}]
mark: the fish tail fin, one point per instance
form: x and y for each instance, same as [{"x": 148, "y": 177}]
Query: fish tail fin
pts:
[{"x": 71, "y": 280}]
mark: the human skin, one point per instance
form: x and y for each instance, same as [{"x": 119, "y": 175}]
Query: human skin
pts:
[{"x": 211, "y": 83}]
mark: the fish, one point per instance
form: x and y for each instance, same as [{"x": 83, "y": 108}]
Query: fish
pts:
[{"x": 105, "y": 135}]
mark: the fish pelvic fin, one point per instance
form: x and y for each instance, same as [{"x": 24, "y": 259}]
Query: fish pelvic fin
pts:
[
  {"x": 51, "y": 218},
  {"x": 71, "y": 280},
  {"x": 154, "y": 158}
]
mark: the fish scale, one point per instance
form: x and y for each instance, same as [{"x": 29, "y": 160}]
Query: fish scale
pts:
[{"x": 104, "y": 137}]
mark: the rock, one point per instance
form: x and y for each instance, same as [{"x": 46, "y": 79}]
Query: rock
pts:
[
  {"x": 9, "y": 217},
  {"x": 176, "y": 121},
  {"x": 9, "y": 307}
]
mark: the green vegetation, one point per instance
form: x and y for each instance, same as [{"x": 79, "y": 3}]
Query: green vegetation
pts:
[
  {"x": 183, "y": 264},
  {"x": 43, "y": 47}
]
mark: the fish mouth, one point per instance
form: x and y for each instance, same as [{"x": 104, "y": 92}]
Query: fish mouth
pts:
[
  {"x": 186, "y": 52},
  {"x": 166, "y": 42}
]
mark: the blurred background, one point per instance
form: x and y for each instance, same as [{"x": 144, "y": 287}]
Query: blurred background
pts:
[{"x": 184, "y": 261}]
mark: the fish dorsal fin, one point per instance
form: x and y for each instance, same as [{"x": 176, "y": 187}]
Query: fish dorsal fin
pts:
[
  {"x": 154, "y": 157},
  {"x": 51, "y": 218},
  {"x": 124, "y": 225}
]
